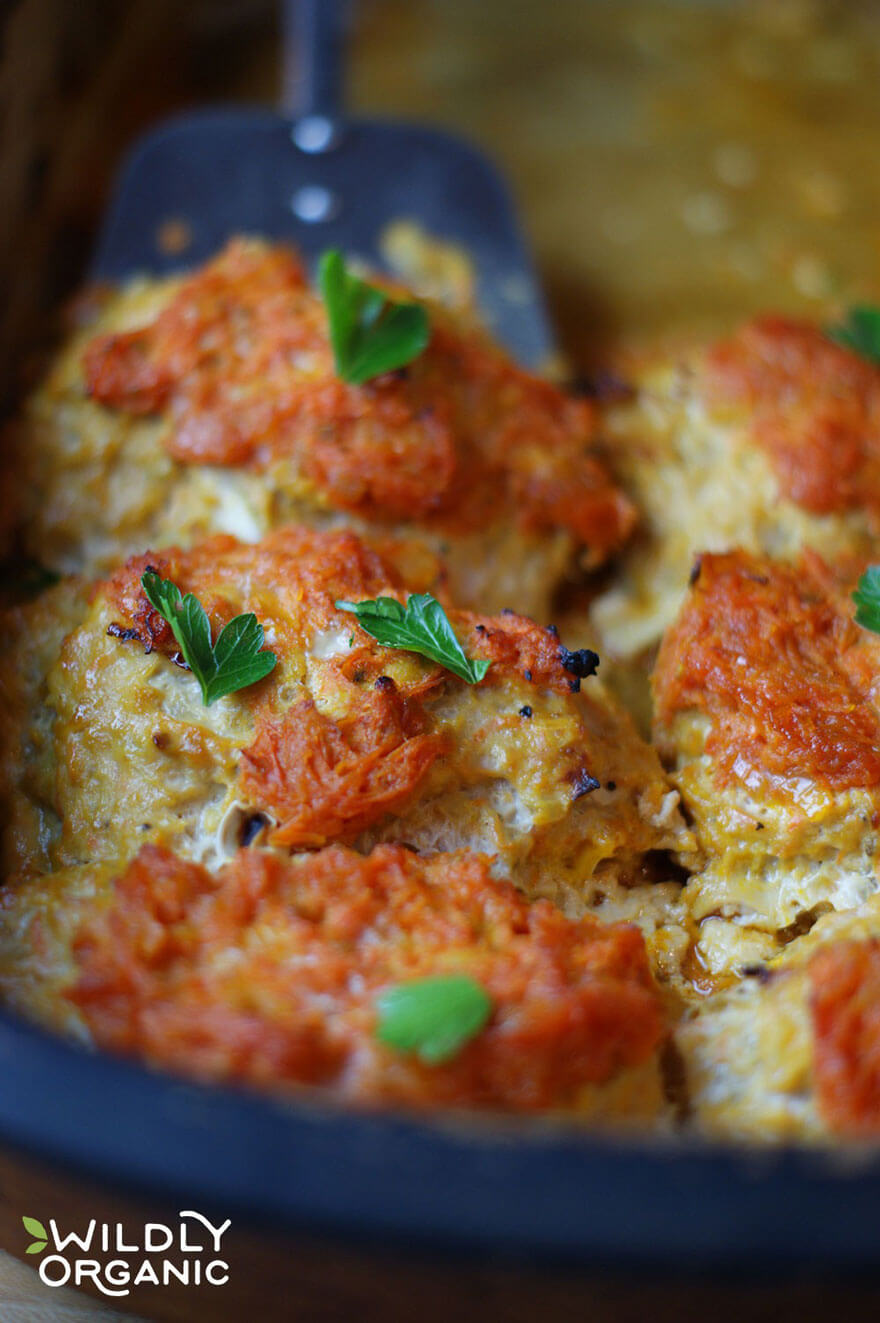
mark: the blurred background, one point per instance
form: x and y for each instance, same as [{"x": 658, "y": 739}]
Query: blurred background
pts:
[{"x": 678, "y": 163}]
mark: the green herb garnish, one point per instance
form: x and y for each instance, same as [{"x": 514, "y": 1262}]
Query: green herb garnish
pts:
[
  {"x": 433, "y": 1018},
  {"x": 867, "y": 599},
  {"x": 421, "y": 626},
  {"x": 859, "y": 332},
  {"x": 233, "y": 662},
  {"x": 370, "y": 334}
]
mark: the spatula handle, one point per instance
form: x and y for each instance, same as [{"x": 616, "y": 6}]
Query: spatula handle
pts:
[{"x": 312, "y": 72}]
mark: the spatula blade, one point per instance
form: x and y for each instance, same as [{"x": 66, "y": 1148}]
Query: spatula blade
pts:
[{"x": 225, "y": 172}]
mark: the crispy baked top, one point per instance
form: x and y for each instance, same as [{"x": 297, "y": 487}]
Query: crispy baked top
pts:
[
  {"x": 240, "y": 363},
  {"x": 306, "y": 572},
  {"x": 770, "y": 653}
]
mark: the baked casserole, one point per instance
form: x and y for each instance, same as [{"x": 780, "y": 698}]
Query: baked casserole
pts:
[{"x": 304, "y": 787}]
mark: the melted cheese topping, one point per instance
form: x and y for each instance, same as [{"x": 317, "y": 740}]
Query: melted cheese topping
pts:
[{"x": 772, "y": 655}]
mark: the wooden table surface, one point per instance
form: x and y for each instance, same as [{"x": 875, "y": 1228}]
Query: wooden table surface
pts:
[{"x": 677, "y": 165}]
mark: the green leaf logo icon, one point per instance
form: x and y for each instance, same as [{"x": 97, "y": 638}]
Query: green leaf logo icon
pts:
[{"x": 36, "y": 1229}]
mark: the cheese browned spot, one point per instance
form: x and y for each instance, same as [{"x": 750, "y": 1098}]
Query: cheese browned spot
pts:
[
  {"x": 785, "y": 676},
  {"x": 331, "y": 780},
  {"x": 269, "y": 972},
  {"x": 768, "y": 713}
]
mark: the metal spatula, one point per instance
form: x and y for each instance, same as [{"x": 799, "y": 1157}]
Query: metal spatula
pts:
[{"x": 319, "y": 179}]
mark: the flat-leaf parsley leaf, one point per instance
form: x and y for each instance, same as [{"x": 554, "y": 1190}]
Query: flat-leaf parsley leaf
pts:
[
  {"x": 233, "y": 662},
  {"x": 867, "y": 599},
  {"x": 859, "y": 332},
  {"x": 432, "y": 1018},
  {"x": 421, "y": 626},
  {"x": 370, "y": 334}
]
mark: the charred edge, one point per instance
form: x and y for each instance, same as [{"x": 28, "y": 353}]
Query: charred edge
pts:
[
  {"x": 694, "y": 575},
  {"x": 527, "y": 675},
  {"x": 581, "y": 663},
  {"x": 583, "y": 783},
  {"x": 385, "y": 684},
  {"x": 124, "y": 635},
  {"x": 150, "y": 640},
  {"x": 525, "y": 711}
]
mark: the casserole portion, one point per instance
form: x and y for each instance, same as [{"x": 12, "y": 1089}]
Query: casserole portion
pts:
[
  {"x": 271, "y": 972},
  {"x": 346, "y": 741},
  {"x": 210, "y": 403},
  {"x": 793, "y": 1050},
  {"x": 768, "y": 441},
  {"x": 766, "y": 696}
]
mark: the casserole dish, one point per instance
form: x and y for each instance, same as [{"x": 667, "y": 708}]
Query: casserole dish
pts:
[
  {"x": 336, "y": 1209},
  {"x": 450, "y": 1187}
]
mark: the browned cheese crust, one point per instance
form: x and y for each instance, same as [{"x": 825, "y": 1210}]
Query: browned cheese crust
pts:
[{"x": 211, "y": 404}]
